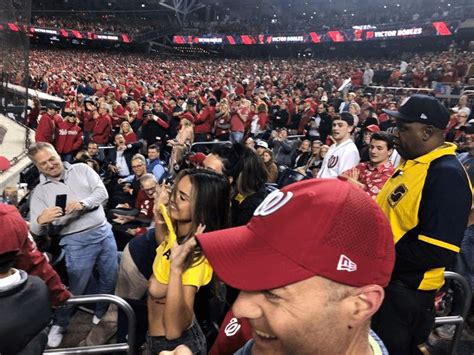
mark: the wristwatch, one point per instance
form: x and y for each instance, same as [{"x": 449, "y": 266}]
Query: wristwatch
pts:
[{"x": 83, "y": 205}]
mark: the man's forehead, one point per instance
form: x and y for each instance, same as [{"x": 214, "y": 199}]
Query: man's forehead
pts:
[
  {"x": 377, "y": 142},
  {"x": 298, "y": 288},
  {"x": 148, "y": 184},
  {"x": 44, "y": 155}
]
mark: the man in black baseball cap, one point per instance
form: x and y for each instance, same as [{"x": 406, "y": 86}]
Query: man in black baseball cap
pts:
[
  {"x": 427, "y": 201},
  {"x": 421, "y": 120},
  {"x": 423, "y": 109}
]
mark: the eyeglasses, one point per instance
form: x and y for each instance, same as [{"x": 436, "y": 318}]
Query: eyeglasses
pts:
[
  {"x": 150, "y": 190},
  {"x": 137, "y": 166}
]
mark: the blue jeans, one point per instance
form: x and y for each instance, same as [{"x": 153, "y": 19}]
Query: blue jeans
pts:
[
  {"x": 467, "y": 256},
  {"x": 81, "y": 260},
  {"x": 193, "y": 338},
  {"x": 236, "y": 137}
]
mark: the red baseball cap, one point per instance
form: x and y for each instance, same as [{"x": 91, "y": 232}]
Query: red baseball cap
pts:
[
  {"x": 373, "y": 128},
  {"x": 322, "y": 227},
  {"x": 197, "y": 158},
  {"x": 13, "y": 229}
]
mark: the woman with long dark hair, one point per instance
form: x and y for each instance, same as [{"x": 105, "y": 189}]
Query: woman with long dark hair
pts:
[
  {"x": 199, "y": 201},
  {"x": 250, "y": 185}
]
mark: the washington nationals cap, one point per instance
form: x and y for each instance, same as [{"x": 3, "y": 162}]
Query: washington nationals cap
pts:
[
  {"x": 13, "y": 227},
  {"x": 422, "y": 108},
  {"x": 323, "y": 227}
]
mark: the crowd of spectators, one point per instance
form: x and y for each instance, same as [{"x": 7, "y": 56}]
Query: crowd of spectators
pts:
[
  {"x": 89, "y": 22},
  {"x": 258, "y": 18},
  {"x": 138, "y": 98},
  {"x": 326, "y": 17}
]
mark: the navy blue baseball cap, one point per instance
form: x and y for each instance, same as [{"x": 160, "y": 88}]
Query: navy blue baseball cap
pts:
[{"x": 424, "y": 109}]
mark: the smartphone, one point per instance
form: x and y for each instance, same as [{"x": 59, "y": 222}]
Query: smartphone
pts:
[{"x": 61, "y": 201}]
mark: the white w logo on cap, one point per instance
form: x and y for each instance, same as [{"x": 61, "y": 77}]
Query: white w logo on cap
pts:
[
  {"x": 346, "y": 264},
  {"x": 273, "y": 202}
]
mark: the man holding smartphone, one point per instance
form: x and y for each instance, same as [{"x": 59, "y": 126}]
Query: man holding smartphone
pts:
[{"x": 67, "y": 202}]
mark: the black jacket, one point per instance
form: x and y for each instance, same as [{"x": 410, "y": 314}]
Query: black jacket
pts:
[
  {"x": 131, "y": 150},
  {"x": 25, "y": 311},
  {"x": 242, "y": 212}
]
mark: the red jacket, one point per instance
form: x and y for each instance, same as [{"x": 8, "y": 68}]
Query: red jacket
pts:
[
  {"x": 29, "y": 258},
  {"x": 222, "y": 125},
  {"x": 69, "y": 137},
  {"x": 47, "y": 128},
  {"x": 204, "y": 122},
  {"x": 102, "y": 129},
  {"x": 237, "y": 122},
  {"x": 130, "y": 137},
  {"x": 118, "y": 116},
  {"x": 262, "y": 120},
  {"x": 305, "y": 117},
  {"x": 88, "y": 121}
]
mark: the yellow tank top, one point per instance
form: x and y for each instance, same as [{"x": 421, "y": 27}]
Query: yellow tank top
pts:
[{"x": 197, "y": 275}]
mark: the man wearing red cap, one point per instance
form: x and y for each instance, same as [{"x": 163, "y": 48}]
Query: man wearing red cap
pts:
[
  {"x": 47, "y": 124},
  {"x": 427, "y": 201},
  {"x": 311, "y": 281}
]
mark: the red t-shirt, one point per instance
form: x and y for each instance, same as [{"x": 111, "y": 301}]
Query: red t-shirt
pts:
[{"x": 145, "y": 205}]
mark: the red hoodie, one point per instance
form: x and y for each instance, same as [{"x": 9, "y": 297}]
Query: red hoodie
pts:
[
  {"x": 305, "y": 117},
  {"x": 47, "y": 128},
  {"x": 29, "y": 258},
  {"x": 102, "y": 129},
  {"x": 69, "y": 137},
  {"x": 204, "y": 122},
  {"x": 88, "y": 121}
]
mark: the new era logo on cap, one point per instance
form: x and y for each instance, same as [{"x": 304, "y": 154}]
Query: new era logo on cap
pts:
[
  {"x": 423, "y": 116},
  {"x": 346, "y": 264}
]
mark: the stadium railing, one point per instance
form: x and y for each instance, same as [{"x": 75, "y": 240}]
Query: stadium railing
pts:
[
  {"x": 128, "y": 347},
  {"x": 457, "y": 320}
]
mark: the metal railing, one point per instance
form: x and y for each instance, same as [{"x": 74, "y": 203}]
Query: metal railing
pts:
[
  {"x": 209, "y": 145},
  {"x": 457, "y": 320},
  {"x": 128, "y": 347}
]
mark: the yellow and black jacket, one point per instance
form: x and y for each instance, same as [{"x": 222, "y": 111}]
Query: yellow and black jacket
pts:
[{"x": 427, "y": 201}]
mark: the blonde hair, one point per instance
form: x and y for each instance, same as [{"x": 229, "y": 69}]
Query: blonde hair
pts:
[{"x": 129, "y": 126}]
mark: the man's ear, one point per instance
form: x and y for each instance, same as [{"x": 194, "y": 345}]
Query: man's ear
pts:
[
  {"x": 428, "y": 132},
  {"x": 364, "y": 303}
]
